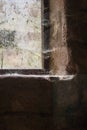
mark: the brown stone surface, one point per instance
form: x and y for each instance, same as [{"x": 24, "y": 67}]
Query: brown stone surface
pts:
[
  {"x": 25, "y": 123},
  {"x": 70, "y": 104},
  {"x": 76, "y": 15},
  {"x": 59, "y": 52},
  {"x": 39, "y": 104},
  {"x": 26, "y": 104},
  {"x": 25, "y": 95}
]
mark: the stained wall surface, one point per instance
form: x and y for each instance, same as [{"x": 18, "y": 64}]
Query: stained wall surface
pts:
[
  {"x": 45, "y": 104},
  {"x": 20, "y": 34}
]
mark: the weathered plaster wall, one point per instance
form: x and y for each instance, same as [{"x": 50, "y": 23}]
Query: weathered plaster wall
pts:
[{"x": 41, "y": 104}]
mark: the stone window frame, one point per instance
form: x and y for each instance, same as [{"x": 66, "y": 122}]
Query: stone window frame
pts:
[{"x": 55, "y": 55}]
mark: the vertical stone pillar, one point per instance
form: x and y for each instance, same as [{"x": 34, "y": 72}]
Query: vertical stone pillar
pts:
[{"x": 59, "y": 53}]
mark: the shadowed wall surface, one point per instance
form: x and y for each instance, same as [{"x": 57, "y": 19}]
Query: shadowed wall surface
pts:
[
  {"x": 41, "y": 104},
  {"x": 76, "y": 15},
  {"x": 25, "y": 104}
]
